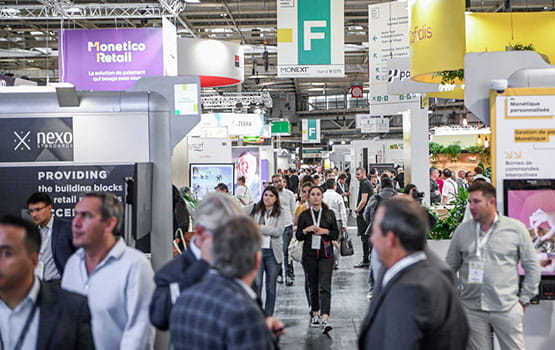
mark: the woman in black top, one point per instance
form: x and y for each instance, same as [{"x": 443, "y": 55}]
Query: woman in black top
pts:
[{"x": 317, "y": 228}]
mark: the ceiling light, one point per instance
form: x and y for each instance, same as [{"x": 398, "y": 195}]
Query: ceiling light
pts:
[
  {"x": 73, "y": 10},
  {"x": 192, "y": 1}
]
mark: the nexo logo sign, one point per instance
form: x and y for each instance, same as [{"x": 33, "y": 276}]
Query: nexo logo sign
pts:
[
  {"x": 398, "y": 74},
  {"x": 50, "y": 139}
]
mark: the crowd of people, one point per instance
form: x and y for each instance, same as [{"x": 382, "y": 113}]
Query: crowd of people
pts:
[{"x": 77, "y": 285}]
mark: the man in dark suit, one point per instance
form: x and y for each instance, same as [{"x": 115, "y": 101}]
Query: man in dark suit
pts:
[
  {"x": 221, "y": 311},
  {"x": 57, "y": 245},
  {"x": 57, "y": 319},
  {"x": 190, "y": 267},
  {"x": 417, "y": 306}
]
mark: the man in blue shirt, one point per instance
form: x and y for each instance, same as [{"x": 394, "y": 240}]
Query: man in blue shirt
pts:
[{"x": 117, "y": 279}]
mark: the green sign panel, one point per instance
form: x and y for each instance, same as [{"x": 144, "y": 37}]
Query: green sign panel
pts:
[
  {"x": 281, "y": 128},
  {"x": 314, "y": 34}
]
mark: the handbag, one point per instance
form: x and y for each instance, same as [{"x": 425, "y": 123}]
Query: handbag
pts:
[
  {"x": 346, "y": 246},
  {"x": 296, "y": 249}
]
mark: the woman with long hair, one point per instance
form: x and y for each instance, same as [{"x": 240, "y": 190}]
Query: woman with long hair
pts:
[
  {"x": 267, "y": 213},
  {"x": 318, "y": 228}
]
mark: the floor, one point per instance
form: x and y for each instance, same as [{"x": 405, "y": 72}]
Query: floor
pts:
[{"x": 348, "y": 307}]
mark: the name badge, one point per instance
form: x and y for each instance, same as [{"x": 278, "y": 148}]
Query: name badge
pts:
[
  {"x": 316, "y": 242},
  {"x": 476, "y": 271},
  {"x": 265, "y": 242}
]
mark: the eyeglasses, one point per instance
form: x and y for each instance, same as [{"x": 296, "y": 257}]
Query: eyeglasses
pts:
[{"x": 35, "y": 210}]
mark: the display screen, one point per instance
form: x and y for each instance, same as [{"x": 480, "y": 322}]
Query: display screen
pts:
[
  {"x": 204, "y": 177},
  {"x": 247, "y": 164},
  {"x": 533, "y": 203}
]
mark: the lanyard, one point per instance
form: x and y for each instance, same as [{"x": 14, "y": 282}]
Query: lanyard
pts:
[
  {"x": 24, "y": 331},
  {"x": 481, "y": 242},
  {"x": 341, "y": 186},
  {"x": 314, "y": 221}
]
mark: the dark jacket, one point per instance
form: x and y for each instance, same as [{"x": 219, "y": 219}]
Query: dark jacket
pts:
[
  {"x": 327, "y": 221},
  {"x": 185, "y": 270},
  {"x": 217, "y": 313},
  {"x": 61, "y": 243},
  {"x": 64, "y": 320},
  {"x": 418, "y": 309}
]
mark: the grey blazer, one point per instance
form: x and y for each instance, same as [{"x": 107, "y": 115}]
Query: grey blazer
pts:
[{"x": 273, "y": 227}]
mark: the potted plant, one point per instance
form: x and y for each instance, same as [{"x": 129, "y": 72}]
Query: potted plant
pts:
[
  {"x": 435, "y": 150},
  {"x": 441, "y": 233},
  {"x": 452, "y": 151}
]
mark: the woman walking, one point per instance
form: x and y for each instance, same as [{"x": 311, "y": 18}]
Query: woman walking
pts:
[
  {"x": 318, "y": 228},
  {"x": 267, "y": 213}
]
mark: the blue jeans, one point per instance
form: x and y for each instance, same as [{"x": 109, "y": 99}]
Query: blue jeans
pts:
[
  {"x": 270, "y": 266},
  {"x": 287, "y": 235}
]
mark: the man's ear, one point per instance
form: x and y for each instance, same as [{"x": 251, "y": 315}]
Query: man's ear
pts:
[{"x": 391, "y": 239}]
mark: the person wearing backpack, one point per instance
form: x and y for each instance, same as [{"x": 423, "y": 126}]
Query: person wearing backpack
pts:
[{"x": 386, "y": 192}]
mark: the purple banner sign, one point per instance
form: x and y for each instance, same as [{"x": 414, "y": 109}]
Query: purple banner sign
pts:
[{"x": 109, "y": 59}]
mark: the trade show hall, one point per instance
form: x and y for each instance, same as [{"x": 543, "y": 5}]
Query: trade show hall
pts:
[{"x": 288, "y": 174}]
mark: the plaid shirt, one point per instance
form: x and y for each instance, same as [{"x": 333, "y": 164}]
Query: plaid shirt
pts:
[{"x": 217, "y": 314}]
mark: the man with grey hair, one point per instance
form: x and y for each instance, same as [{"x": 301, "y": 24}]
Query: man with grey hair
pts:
[
  {"x": 221, "y": 312},
  {"x": 214, "y": 211},
  {"x": 117, "y": 279}
]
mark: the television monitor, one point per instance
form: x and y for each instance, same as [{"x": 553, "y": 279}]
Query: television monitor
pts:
[
  {"x": 533, "y": 203},
  {"x": 204, "y": 177}
]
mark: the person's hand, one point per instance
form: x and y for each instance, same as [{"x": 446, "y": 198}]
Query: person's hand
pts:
[
  {"x": 521, "y": 304},
  {"x": 275, "y": 326},
  {"x": 206, "y": 249},
  {"x": 310, "y": 228},
  {"x": 344, "y": 229}
]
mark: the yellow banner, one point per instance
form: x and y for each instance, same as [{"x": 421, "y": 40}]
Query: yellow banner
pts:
[
  {"x": 495, "y": 31},
  {"x": 436, "y": 37}
]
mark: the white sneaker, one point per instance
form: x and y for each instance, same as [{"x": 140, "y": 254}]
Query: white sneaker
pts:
[
  {"x": 326, "y": 327},
  {"x": 316, "y": 321}
]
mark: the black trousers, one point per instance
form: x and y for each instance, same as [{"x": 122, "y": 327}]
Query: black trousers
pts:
[
  {"x": 365, "y": 239},
  {"x": 318, "y": 272}
]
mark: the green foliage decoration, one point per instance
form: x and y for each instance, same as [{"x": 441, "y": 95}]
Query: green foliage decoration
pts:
[
  {"x": 435, "y": 149},
  {"x": 450, "y": 76},
  {"x": 453, "y": 152},
  {"x": 446, "y": 225}
]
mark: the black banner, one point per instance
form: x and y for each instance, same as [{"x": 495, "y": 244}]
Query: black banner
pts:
[
  {"x": 64, "y": 184},
  {"x": 36, "y": 139}
]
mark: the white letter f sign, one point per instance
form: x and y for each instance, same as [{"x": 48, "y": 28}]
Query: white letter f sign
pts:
[{"x": 309, "y": 35}]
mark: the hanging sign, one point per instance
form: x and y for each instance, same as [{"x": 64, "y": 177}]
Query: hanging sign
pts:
[
  {"x": 310, "y": 38},
  {"x": 388, "y": 38},
  {"x": 109, "y": 59},
  {"x": 311, "y": 131}
]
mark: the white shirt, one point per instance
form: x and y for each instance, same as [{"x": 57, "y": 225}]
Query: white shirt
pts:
[
  {"x": 244, "y": 193},
  {"x": 450, "y": 189},
  {"x": 401, "y": 265},
  {"x": 46, "y": 269},
  {"x": 288, "y": 206},
  {"x": 119, "y": 291},
  {"x": 12, "y": 321},
  {"x": 335, "y": 202}
]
